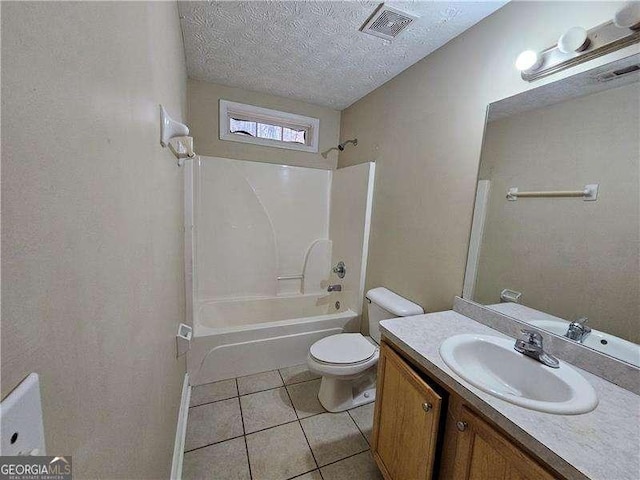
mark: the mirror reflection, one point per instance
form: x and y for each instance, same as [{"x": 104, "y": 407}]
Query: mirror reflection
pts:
[{"x": 556, "y": 233}]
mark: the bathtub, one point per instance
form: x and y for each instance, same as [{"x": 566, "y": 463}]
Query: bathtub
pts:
[{"x": 233, "y": 338}]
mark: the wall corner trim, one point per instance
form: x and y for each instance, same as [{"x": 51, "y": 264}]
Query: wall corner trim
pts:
[{"x": 181, "y": 430}]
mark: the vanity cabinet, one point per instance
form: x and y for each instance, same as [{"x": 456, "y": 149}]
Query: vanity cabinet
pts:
[
  {"x": 406, "y": 420},
  {"x": 416, "y": 438},
  {"x": 480, "y": 452}
]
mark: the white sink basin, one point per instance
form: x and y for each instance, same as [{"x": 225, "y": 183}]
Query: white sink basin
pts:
[
  {"x": 603, "y": 342},
  {"x": 492, "y": 365}
]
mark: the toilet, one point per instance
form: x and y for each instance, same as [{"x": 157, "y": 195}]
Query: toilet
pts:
[{"x": 347, "y": 361}]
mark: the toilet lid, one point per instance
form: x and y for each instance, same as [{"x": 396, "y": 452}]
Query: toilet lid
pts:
[{"x": 342, "y": 348}]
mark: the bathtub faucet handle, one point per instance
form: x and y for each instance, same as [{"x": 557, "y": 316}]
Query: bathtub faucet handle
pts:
[
  {"x": 340, "y": 269},
  {"x": 334, "y": 288}
]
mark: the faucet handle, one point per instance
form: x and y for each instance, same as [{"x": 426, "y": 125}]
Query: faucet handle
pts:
[
  {"x": 581, "y": 320},
  {"x": 531, "y": 337}
]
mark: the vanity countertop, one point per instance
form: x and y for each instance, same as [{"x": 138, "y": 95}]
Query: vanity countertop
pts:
[{"x": 602, "y": 444}]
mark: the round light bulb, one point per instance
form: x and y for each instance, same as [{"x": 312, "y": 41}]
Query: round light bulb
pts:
[
  {"x": 573, "y": 40},
  {"x": 528, "y": 60},
  {"x": 628, "y": 16}
]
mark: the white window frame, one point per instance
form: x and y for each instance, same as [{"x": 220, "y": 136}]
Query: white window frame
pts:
[{"x": 252, "y": 113}]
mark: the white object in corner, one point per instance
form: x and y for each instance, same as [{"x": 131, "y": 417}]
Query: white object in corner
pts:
[
  {"x": 21, "y": 420},
  {"x": 170, "y": 128},
  {"x": 181, "y": 430},
  {"x": 182, "y": 148},
  {"x": 183, "y": 339}
]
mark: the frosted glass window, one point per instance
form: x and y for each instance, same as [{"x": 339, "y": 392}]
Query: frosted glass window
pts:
[
  {"x": 261, "y": 126},
  {"x": 242, "y": 127},
  {"x": 291, "y": 135},
  {"x": 272, "y": 132},
  {"x": 267, "y": 130}
]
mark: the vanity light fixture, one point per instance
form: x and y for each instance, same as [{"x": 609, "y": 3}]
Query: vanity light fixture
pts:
[
  {"x": 578, "y": 45},
  {"x": 529, "y": 61}
]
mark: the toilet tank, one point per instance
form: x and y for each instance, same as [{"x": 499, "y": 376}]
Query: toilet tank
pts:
[{"x": 384, "y": 304}]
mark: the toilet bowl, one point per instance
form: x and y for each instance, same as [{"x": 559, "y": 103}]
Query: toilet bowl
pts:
[{"x": 347, "y": 361}]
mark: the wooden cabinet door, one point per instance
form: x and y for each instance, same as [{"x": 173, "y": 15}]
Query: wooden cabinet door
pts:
[
  {"x": 406, "y": 420},
  {"x": 482, "y": 453}
]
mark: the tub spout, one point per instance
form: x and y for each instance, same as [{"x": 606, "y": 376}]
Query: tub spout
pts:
[{"x": 334, "y": 288}]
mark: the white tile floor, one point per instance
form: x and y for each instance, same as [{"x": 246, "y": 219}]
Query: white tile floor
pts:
[{"x": 270, "y": 426}]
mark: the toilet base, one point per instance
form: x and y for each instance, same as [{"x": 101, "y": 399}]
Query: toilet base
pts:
[{"x": 338, "y": 395}]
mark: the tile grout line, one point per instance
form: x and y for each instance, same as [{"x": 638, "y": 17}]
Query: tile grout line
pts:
[
  {"x": 298, "y": 419},
  {"x": 279, "y": 386},
  {"x": 244, "y": 431},
  {"x": 211, "y": 444},
  {"x": 358, "y": 426},
  {"x": 252, "y": 393},
  {"x": 238, "y": 394},
  {"x": 214, "y": 401},
  {"x": 368, "y": 449},
  {"x": 280, "y": 424},
  {"x": 251, "y": 433},
  {"x": 345, "y": 458},
  {"x": 301, "y": 428},
  {"x": 290, "y": 399},
  {"x": 215, "y": 381},
  {"x": 302, "y": 474}
]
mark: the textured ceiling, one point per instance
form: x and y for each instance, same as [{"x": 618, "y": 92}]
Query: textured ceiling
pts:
[{"x": 313, "y": 50}]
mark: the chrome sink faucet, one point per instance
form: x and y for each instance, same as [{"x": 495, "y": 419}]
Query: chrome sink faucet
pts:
[
  {"x": 531, "y": 346},
  {"x": 578, "y": 330}
]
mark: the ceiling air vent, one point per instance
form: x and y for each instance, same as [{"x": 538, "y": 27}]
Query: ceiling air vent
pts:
[{"x": 387, "y": 22}]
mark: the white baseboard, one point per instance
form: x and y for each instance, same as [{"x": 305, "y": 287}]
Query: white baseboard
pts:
[{"x": 181, "y": 430}]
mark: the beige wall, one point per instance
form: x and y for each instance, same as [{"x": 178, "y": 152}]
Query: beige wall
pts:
[
  {"x": 424, "y": 130},
  {"x": 92, "y": 265},
  {"x": 568, "y": 257},
  {"x": 203, "y": 116}
]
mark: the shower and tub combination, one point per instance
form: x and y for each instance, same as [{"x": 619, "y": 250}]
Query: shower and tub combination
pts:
[{"x": 264, "y": 244}]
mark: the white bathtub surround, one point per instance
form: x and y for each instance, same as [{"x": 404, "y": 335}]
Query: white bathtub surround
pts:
[
  {"x": 255, "y": 222},
  {"x": 349, "y": 226},
  {"x": 315, "y": 270},
  {"x": 260, "y": 258},
  {"x": 241, "y": 337}
]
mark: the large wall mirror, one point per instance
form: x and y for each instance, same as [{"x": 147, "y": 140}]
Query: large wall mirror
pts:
[{"x": 549, "y": 254}]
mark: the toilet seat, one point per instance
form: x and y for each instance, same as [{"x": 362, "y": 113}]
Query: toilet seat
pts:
[
  {"x": 343, "y": 349},
  {"x": 347, "y": 363}
]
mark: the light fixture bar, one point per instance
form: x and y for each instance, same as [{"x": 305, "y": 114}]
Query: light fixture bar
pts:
[{"x": 603, "y": 39}]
